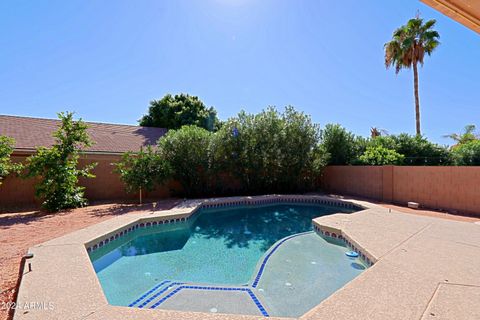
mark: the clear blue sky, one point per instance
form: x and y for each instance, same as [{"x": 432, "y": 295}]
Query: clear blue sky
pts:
[{"x": 107, "y": 59}]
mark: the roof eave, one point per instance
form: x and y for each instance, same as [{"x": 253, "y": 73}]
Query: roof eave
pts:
[{"x": 451, "y": 9}]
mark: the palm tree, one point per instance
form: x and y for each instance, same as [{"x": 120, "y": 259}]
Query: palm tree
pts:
[
  {"x": 408, "y": 47},
  {"x": 467, "y": 135}
]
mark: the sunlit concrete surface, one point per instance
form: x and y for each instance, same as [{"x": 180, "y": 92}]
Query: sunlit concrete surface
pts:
[{"x": 424, "y": 268}]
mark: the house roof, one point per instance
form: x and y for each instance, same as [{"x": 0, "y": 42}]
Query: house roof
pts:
[{"x": 30, "y": 133}]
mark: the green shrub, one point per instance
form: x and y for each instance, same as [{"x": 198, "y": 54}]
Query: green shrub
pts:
[
  {"x": 467, "y": 154},
  {"x": 56, "y": 167},
  {"x": 173, "y": 112},
  {"x": 271, "y": 151},
  {"x": 417, "y": 150},
  {"x": 262, "y": 153},
  {"x": 186, "y": 152},
  {"x": 342, "y": 146},
  {"x": 379, "y": 156},
  {"x": 142, "y": 171},
  {"x": 6, "y": 165}
]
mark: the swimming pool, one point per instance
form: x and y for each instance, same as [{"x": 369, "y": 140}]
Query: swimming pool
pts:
[{"x": 261, "y": 260}]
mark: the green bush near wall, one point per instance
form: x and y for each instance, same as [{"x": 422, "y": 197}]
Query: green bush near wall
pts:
[
  {"x": 467, "y": 154},
  {"x": 380, "y": 156},
  {"x": 271, "y": 151},
  {"x": 6, "y": 165},
  {"x": 142, "y": 171},
  {"x": 187, "y": 152},
  {"x": 342, "y": 146},
  {"x": 284, "y": 152},
  {"x": 267, "y": 152},
  {"x": 417, "y": 150},
  {"x": 57, "y": 167}
]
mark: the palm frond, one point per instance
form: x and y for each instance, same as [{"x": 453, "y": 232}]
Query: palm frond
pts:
[
  {"x": 429, "y": 24},
  {"x": 409, "y": 44},
  {"x": 399, "y": 32},
  {"x": 454, "y": 136},
  {"x": 430, "y": 35},
  {"x": 414, "y": 24},
  {"x": 467, "y": 135},
  {"x": 470, "y": 129}
]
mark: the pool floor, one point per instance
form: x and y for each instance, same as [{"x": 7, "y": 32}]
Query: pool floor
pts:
[{"x": 303, "y": 271}]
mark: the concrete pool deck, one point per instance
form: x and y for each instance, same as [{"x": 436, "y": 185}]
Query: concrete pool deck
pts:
[{"x": 426, "y": 268}]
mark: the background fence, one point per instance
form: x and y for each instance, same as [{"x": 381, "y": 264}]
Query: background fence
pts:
[
  {"x": 446, "y": 188},
  {"x": 17, "y": 192}
]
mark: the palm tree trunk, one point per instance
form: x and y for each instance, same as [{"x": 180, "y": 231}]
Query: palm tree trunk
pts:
[{"x": 417, "y": 99}]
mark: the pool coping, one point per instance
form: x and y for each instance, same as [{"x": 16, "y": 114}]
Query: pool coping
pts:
[{"x": 62, "y": 272}]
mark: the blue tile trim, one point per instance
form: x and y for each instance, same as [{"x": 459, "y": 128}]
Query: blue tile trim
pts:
[
  {"x": 226, "y": 203},
  {"x": 159, "y": 293},
  {"x": 265, "y": 260},
  {"x": 250, "y": 293},
  {"x": 162, "y": 300},
  {"x": 148, "y": 292},
  {"x": 277, "y": 200},
  {"x": 257, "y": 303},
  {"x": 345, "y": 240}
]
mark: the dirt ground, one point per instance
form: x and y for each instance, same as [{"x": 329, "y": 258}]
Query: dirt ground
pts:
[{"x": 19, "y": 231}]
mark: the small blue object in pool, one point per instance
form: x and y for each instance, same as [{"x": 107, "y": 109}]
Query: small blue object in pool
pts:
[{"x": 351, "y": 254}]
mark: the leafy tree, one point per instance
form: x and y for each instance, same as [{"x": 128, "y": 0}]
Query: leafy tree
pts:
[
  {"x": 173, "y": 112},
  {"x": 143, "y": 170},
  {"x": 380, "y": 156},
  {"x": 251, "y": 143},
  {"x": 6, "y": 165},
  {"x": 271, "y": 151},
  {"x": 467, "y": 154},
  {"x": 186, "y": 151},
  {"x": 407, "y": 49},
  {"x": 302, "y": 159},
  {"x": 341, "y": 145},
  {"x": 57, "y": 166},
  {"x": 467, "y": 135}
]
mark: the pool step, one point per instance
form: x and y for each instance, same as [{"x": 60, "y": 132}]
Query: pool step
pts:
[
  {"x": 163, "y": 291},
  {"x": 203, "y": 291},
  {"x": 167, "y": 289},
  {"x": 154, "y": 294}
]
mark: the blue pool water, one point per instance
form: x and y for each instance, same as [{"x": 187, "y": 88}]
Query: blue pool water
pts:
[{"x": 248, "y": 248}]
